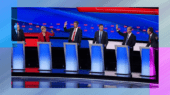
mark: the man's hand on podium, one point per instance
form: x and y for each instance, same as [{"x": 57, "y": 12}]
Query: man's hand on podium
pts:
[{"x": 65, "y": 24}]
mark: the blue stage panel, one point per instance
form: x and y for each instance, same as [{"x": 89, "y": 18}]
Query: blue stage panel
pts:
[
  {"x": 18, "y": 56},
  {"x": 97, "y": 60},
  {"x": 58, "y": 84},
  {"x": 85, "y": 72},
  {"x": 83, "y": 85},
  {"x": 123, "y": 64},
  {"x": 58, "y": 71},
  {"x": 44, "y": 57},
  {"x": 71, "y": 57},
  {"x": 145, "y": 58}
]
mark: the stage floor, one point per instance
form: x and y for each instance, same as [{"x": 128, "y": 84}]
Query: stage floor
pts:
[{"x": 58, "y": 82}]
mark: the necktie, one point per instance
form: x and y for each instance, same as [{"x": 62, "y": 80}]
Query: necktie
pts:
[
  {"x": 100, "y": 36},
  {"x": 127, "y": 38},
  {"x": 150, "y": 38},
  {"x": 73, "y": 35}
]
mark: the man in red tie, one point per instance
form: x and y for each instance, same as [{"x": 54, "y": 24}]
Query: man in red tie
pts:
[
  {"x": 153, "y": 38},
  {"x": 153, "y": 42},
  {"x": 75, "y": 33}
]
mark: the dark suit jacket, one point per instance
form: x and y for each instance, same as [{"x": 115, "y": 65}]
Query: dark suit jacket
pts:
[
  {"x": 131, "y": 41},
  {"x": 78, "y": 36},
  {"x": 104, "y": 39},
  {"x": 16, "y": 38},
  {"x": 154, "y": 41}
]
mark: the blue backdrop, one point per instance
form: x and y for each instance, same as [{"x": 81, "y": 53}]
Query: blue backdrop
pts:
[{"x": 31, "y": 20}]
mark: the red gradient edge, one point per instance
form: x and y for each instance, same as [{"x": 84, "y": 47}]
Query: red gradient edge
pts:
[{"x": 131, "y": 10}]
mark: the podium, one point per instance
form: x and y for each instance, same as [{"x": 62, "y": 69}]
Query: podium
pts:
[
  {"x": 97, "y": 59},
  {"x": 71, "y": 58},
  {"x": 123, "y": 61},
  {"x": 44, "y": 56},
  {"x": 147, "y": 62},
  {"x": 18, "y": 56}
]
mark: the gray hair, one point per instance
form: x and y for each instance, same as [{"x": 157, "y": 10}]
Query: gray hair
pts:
[{"x": 42, "y": 27}]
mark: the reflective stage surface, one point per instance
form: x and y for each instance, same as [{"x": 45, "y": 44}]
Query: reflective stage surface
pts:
[{"x": 57, "y": 82}]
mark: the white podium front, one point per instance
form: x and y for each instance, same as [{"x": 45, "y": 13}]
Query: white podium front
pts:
[
  {"x": 71, "y": 58},
  {"x": 18, "y": 56},
  {"x": 97, "y": 59},
  {"x": 123, "y": 61},
  {"x": 44, "y": 56}
]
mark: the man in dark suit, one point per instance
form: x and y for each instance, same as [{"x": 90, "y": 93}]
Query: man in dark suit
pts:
[
  {"x": 153, "y": 38},
  {"x": 153, "y": 42},
  {"x": 75, "y": 33},
  {"x": 130, "y": 40},
  {"x": 101, "y": 37},
  {"x": 18, "y": 34}
]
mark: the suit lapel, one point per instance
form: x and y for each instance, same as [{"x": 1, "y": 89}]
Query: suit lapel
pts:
[
  {"x": 102, "y": 35},
  {"x": 152, "y": 36},
  {"x": 129, "y": 38}
]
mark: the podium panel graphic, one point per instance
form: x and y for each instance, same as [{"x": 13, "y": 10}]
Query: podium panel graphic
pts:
[
  {"x": 71, "y": 58},
  {"x": 18, "y": 56},
  {"x": 123, "y": 61},
  {"x": 44, "y": 56},
  {"x": 97, "y": 59},
  {"x": 147, "y": 62}
]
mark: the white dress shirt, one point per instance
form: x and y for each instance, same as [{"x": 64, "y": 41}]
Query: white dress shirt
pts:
[
  {"x": 100, "y": 32},
  {"x": 129, "y": 35},
  {"x": 73, "y": 33},
  {"x": 151, "y": 35},
  {"x": 17, "y": 32}
]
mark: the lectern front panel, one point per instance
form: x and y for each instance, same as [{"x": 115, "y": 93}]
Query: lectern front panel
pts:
[
  {"x": 97, "y": 60},
  {"x": 123, "y": 62},
  {"x": 71, "y": 56},
  {"x": 44, "y": 53},
  {"x": 18, "y": 55},
  {"x": 145, "y": 58}
]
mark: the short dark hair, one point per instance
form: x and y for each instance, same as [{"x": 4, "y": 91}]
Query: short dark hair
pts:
[
  {"x": 76, "y": 22},
  {"x": 150, "y": 29},
  {"x": 130, "y": 27},
  {"x": 100, "y": 25}
]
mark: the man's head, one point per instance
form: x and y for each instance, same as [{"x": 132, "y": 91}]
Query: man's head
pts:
[
  {"x": 129, "y": 29},
  {"x": 101, "y": 27},
  {"x": 76, "y": 24},
  {"x": 150, "y": 30},
  {"x": 18, "y": 27},
  {"x": 43, "y": 28}
]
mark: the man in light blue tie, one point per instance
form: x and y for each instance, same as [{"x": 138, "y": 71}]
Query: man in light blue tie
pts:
[
  {"x": 101, "y": 36},
  {"x": 129, "y": 40}
]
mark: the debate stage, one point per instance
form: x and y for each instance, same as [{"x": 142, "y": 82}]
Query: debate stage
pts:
[{"x": 59, "y": 75}]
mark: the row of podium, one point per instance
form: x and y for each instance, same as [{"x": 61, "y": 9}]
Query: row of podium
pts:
[{"x": 97, "y": 58}]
